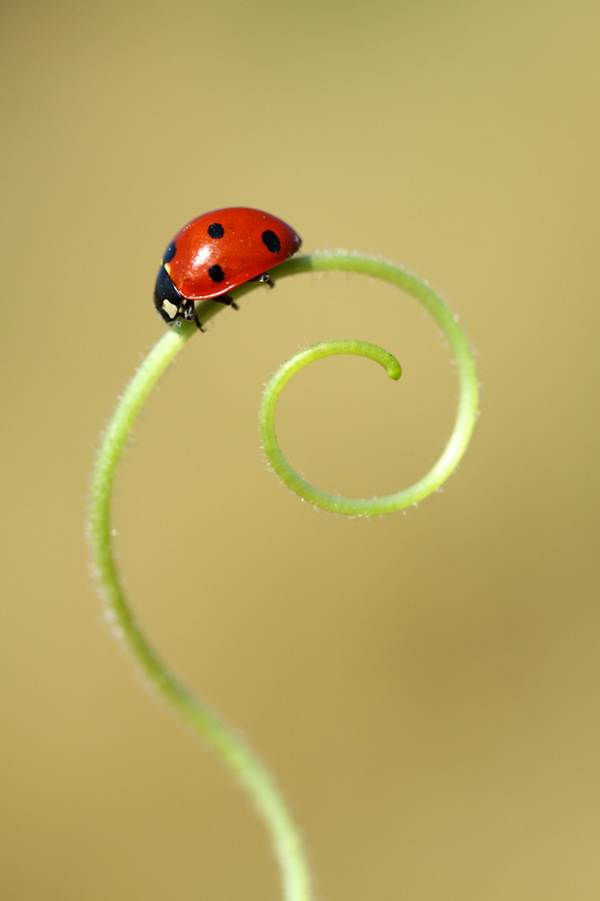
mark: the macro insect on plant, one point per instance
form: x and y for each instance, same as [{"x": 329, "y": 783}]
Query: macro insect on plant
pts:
[
  {"x": 211, "y": 263},
  {"x": 217, "y": 252}
]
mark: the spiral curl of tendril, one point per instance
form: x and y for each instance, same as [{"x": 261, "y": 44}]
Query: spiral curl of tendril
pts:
[{"x": 225, "y": 740}]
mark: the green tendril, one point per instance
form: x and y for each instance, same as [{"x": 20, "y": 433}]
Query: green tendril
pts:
[
  {"x": 266, "y": 419},
  {"x": 230, "y": 747},
  {"x": 468, "y": 389}
]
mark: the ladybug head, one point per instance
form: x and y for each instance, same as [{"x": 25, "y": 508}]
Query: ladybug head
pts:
[{"x": 167, "y": 299}]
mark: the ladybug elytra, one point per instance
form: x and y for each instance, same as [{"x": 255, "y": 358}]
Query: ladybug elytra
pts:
[{"x": 217, "y": 252}]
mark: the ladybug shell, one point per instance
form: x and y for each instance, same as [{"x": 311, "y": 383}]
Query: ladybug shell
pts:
[{"x": 223, "y": 249}]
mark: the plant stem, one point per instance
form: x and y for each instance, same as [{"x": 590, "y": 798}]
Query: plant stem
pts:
[
  {"x": 230, "y": 747},
  {"x": 228, "y": 744}
]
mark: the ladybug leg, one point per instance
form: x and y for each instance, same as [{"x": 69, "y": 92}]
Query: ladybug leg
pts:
[
  {"x": 188, "y": 312},
  {"x": 227, "y": 300},
  {"x": 265, "y": 279}
]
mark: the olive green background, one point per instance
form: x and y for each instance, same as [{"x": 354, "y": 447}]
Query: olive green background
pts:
[{"x": 425, "y": 686}]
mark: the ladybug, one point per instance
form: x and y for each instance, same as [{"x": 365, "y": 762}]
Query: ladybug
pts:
[{"x": 216, "y": 253}]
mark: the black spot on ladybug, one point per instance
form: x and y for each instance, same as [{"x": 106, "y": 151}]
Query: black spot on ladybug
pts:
[
  {"x": 170, "y": 252},
  {"x": 215, "y": 230},
  {"x": 215, "y": 273},
  {"x": 271, "y": 241}
]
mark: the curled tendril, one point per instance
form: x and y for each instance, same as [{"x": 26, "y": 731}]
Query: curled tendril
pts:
[
  {"x": 266, "y": 419},
  {"x": 230, "y": 747},
  {"x": 468, "y": 400}
]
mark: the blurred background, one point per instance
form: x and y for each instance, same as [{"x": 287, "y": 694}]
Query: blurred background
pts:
[{"x": 425, "y": 686}]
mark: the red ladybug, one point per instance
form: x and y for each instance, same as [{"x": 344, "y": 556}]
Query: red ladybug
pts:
[{"x": 216, "y": 253}]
